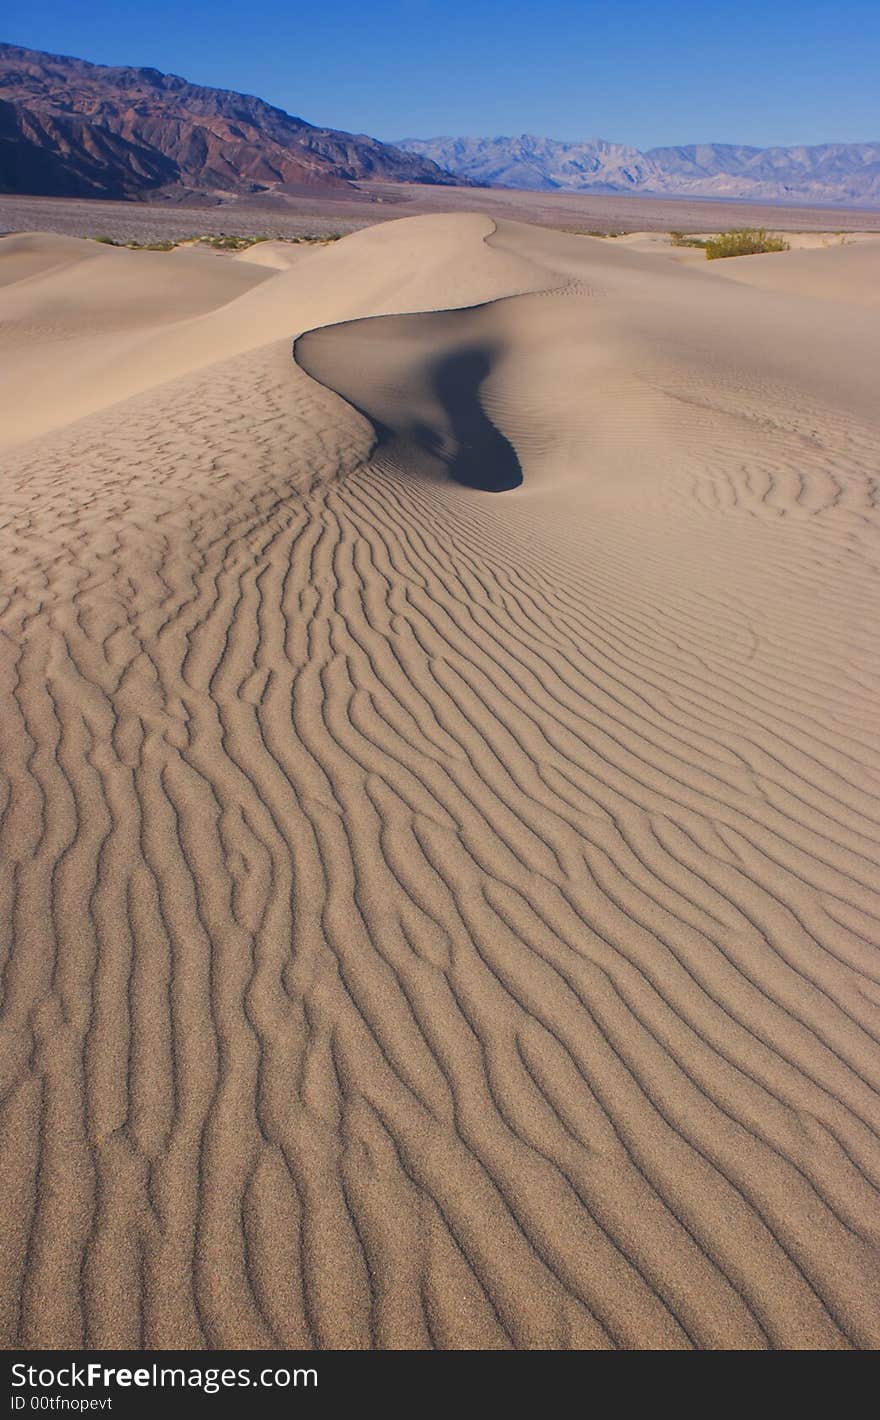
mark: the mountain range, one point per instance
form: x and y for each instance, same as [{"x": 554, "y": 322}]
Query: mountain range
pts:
[
  {"x": 846, "y": 173},
  {"x": 69, "y": 128}
]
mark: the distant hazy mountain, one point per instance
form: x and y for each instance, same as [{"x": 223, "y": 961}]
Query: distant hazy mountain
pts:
[
  {"x": 70, "y": 128},
  {"x": 830, "y": 172}
]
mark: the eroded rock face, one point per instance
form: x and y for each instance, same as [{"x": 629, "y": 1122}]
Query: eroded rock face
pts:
[{"x": 70, "y": 128}]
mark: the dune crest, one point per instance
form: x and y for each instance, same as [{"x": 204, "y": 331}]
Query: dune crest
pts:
[{"x": 437, "y": 916}]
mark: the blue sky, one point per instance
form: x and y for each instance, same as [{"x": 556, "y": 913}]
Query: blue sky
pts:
[{"x": 646, "y": 72}]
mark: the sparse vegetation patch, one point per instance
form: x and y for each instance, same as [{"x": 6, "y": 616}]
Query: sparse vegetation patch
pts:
[
  {"x": 218, "y": 242},
  {"x": 223, "y": 243},
  {"x": 681, "y": 239},
  {"x": 744, "y": 241},
  {"x": 142, "y": 246}
]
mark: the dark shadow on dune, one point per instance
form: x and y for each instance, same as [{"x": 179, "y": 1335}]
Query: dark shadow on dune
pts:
[{"x": 484, "y": 458}]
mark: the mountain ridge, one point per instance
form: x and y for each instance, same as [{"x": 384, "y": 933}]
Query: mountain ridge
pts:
[
  {"x": 76, "y": 129},
  {"x": 844, "y": 173}
]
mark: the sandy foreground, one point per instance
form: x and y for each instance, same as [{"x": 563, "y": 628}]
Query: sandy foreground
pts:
[{"x": 436, "y": 916}]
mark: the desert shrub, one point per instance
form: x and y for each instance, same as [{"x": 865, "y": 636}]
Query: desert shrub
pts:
[
  {"x": 137, "y": 246},
  {"x": 222, "y": 243},
  {"x": 679, "y": 239},
  {"x": 744, "y": 241}
]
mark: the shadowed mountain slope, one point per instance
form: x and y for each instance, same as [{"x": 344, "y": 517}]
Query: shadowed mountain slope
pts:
[{"x": 73, "y": 129}]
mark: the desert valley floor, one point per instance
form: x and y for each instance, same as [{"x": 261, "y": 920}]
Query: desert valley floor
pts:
[{"x": 440, "y": 793}]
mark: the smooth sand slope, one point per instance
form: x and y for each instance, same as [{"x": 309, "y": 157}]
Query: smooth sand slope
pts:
[
  {"x": 850, "y": 274},
  {"x": 439, "y": 916},
  {"x": 76, "y": 319}
]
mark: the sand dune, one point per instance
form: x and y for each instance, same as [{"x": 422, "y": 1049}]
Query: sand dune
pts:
[
  {"x": 277, "y": 254},
  {"x": 440, "y": 917},
  {"x": 232, "y": 307},
  {"x": 75, "y": 317},
  {"x": 850, "y": 274}
]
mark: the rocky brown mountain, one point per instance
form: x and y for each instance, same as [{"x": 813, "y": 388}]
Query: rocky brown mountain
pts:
[{"x": 73, "y": 129}]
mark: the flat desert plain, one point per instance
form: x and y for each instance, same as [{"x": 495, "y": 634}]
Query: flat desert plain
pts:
[{"x": 441, "y": 782}]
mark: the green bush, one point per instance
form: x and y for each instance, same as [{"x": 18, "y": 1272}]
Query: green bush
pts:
[{"x": 744, "y": 241}]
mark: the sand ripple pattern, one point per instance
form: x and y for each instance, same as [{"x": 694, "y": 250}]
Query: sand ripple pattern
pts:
[{"x": 436, "y": 923}]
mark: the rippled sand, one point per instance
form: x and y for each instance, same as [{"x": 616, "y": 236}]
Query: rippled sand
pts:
[{"x": 437, "y": 916}]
